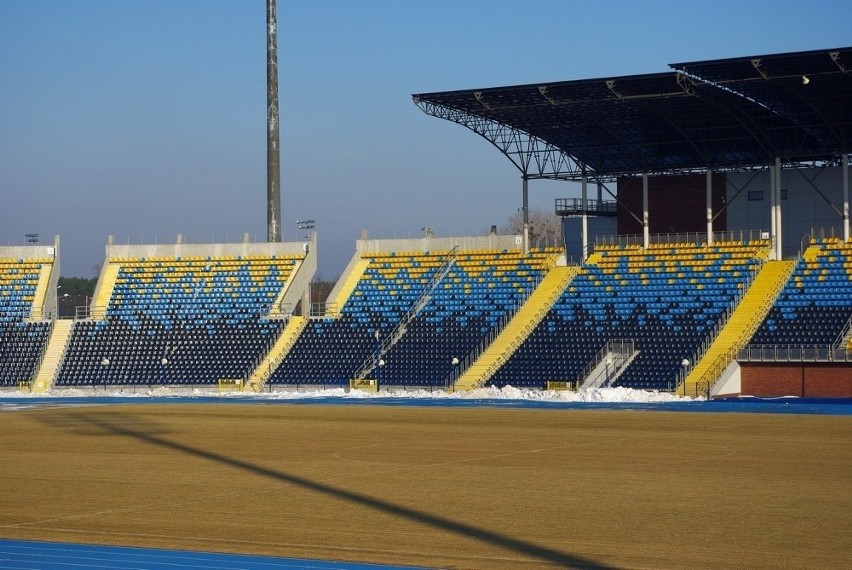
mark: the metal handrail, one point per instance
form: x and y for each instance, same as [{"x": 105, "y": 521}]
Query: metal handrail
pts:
[
  {"x": 621, "y": 350},
  {"x": 591, "y": 205},
  {"x": 793, "y": 353},
  {"x": 686, "y": 237},
  {"x": 323, "y": 309},
  {"x": 766, "y": 304},
  {"x": 399, "y": 329},
  {"x": 845, "y": 333},
  {"x": 488, "y": 339},
  {"x": 626, "y": 348},
  {"x": 495, "y": 332}
]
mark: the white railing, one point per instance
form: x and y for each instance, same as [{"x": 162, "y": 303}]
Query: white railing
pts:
[
  {"x": 744, "y": 236},
  {"x": 617, "y": 352},
  {"x": 794, "y": 353}
]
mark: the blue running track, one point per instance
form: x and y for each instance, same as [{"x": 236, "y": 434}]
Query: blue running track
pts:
[
  {"x": 20, "y": 554},
  {"x": 813, "y": 406}
]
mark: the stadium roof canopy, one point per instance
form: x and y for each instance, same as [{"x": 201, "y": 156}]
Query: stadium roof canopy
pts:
[{"x": 725, "y": 114}]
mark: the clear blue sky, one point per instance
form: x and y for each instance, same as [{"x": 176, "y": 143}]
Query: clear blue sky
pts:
[{"x": 147, "y": 118}]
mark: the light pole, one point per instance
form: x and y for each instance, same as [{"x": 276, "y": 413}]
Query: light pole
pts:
[
  {"x": 455, "y": 375},
  {"x": 379, "y": 361},
  {"x": 685, "y": 364},
  {"x": 163, "y": 364}
]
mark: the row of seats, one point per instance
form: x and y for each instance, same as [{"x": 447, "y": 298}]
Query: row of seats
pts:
[
  {"x": 22, "y": 342},
  {"x": 111, "y": 353},
  {"x": 180, "y": 321},
  {"x": 667, "y": 299},
  {"x": 653, "y": 299},
  {"x": 477, "y": 289},
  {"x": 18, "y": 281},
  {"x": 21, "y": 347},
  {"x": 815, "y": 306},
  {"x": 225, "y": 285}
]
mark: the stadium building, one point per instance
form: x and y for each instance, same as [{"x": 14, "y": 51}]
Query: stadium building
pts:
[{"x": 709, "y": 254}]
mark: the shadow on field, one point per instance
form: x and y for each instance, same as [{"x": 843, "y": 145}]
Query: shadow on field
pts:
[{"x": 132, "y": 429}]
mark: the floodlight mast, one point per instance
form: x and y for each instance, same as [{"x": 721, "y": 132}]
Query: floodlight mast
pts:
[{"x": 273, "y": 153}]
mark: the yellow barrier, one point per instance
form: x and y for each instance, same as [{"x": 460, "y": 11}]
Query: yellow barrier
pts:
[
  {"x": 560, "y": 385},
  {"x": 230, "y": 384},
  {"x": 365, "y": 385}
]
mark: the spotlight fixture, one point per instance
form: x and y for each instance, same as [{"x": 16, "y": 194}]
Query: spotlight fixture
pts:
[{"x": 805, "y": 80}]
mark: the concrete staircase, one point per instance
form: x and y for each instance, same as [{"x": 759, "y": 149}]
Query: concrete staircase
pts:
[
  {"x": 610, "y": 363},
  {"x": 740, "y": 327},
  {"x": 53, "y": 354},
  {"x": 106, "y": 284},
  {"x": 40, "y": 295},
  {"x": 348, "y": 286},
  {"x": 518, "y": 329},
  {"x": 279, "y": 350},
  {"x": 278, "y": 311}
]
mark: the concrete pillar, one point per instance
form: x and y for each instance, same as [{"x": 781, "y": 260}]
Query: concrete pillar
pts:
[
  {"x": 585, "y": 218},
  {"x": 646, "y": 233},
  {"x": 526, "y": 213},
  {"x": 779, "y": 249},
  {"x": 845, "y": 196},
  {"x": 773, "y": 230},
  {"x": 709, "y": 207}
]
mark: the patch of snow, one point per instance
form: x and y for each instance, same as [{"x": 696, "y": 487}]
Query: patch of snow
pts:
[{"x": 603, "y": 395}]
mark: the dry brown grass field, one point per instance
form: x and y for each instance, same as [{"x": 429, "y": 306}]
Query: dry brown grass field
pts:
[{"x": 438, "y": 487}]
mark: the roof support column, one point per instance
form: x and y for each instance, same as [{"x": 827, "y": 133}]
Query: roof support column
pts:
[
  {"x": 585, "y": 218},
  {"x": 646, "y": 233},
  {"x": 779, "y": 243},
  {"x": 773, "y": 230},
  {"x": 709, "y": 207},
  {"x": 845, "y": 157},
  {"x": 526, "y": 213}
]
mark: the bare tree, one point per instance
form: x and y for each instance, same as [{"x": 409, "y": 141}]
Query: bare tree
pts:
[
  {"x": 320, "y": 288},
  {"x": 545, "y": 228}
]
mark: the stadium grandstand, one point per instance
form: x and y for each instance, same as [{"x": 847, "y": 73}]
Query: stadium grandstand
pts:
[
  {"x": 28, "y": 279},
  {"x": 708, "y": 254}
]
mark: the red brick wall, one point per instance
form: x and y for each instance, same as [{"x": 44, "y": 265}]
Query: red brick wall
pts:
[
  {"x": 808, "y": 380},
  {"x": 828, "y": 381},
  {"x": 676, "y": 204}
]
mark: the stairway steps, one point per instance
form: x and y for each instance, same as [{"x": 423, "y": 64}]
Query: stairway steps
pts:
[
  {"x": 53, "y": 355},
  {"x": 747, "y": 316},
  {"x": 39, "y": 297},
  {"x": 106, "y": 285},
  {"x": 351, "y": 282},
  {"x": 517, "y": 330},
  {"x": 277, "y": 353}
]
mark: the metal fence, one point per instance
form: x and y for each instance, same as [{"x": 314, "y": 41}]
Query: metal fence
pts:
[{"x": 785, "y": 353}]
